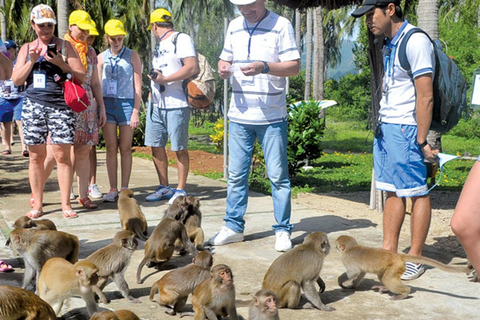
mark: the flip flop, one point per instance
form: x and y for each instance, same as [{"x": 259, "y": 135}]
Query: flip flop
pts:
[
  {"x": 32, "y": 200},
  {"x": 5, "y": 267},
  {"x": 6, "y": 152},
  {"x": 34, "y": 214},
  {"x": 69, "y": 214}
]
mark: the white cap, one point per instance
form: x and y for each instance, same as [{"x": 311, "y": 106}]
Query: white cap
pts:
[
  {"x": 242, "y": 2},
  {"x": 43, "y": 14}
]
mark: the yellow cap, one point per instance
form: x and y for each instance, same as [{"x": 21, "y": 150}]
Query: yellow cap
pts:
[
  {"x": 81, "y": 19},
  {"x": 114, "y": 28},
  {"x": 94, "y": 31},
  {"x": 160, "y": 15}
]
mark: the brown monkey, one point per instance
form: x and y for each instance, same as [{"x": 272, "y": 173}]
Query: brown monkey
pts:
[
  {"x": 215, "y": 296},
  {"x": 177, "y": 210},
  {"x": 115, "y": 315},
  {"x": 297, "y": 269},
  {"x": 112, "y": 262},
  {"x": 263, "y": 306},
  {"x": 37, "y": 246},
  {"x": 175, "y": 286},
  {"x": 16, "y": 303},
  {"x": 61, "y": 279},
  {"x": 387, "y": 265},
  {"x": 104, "y": 315},
  {"x": 39, "y": 224},
  {"x": 187, "y": 210},
  {"x": 161, "y": 244},
  {"x": 131, "y": 216}
]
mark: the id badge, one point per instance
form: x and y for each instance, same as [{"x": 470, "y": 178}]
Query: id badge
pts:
[
  {"x": 39, "y": 79},
  {"x": 112, "y": 87}
]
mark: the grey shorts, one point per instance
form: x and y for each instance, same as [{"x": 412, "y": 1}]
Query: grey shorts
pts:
[{"x": 40, "y": 120}]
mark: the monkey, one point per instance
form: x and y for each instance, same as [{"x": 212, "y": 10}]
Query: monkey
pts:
[
  {"x": 263, "y": 306},
  {"x": 112, "y": 262},
  {"x": 39, "y": 224},
  {"x": 177, "y": 210},
  {"x": 161, "y": 244},
  {"x": 175, "y": 286},
  {"x": 16, "y": 303},
  {"x": 387, "y": 265},
  {"x": 37, "y": 246},
  {"x": 61, "y": 279},
  {"x": 297, "y": 269},
  {"x": 215, "y": 296},
  {"x": 131, "y": 216},
  {"x": 115, "y": 315}
]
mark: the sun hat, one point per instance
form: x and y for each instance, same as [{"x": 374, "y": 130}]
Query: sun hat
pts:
[
  {"x": 159, "y": 15},
  {"x": 43, "y": 14},
  {"x": 10, "y": 44},
  {"x": 368, "y": 5},
  {"x": 242, "y": 2},
  {"x": 94, "y": 31},
  {"x": 81, "y": 19},
  {"x": 114, "y": 28}
]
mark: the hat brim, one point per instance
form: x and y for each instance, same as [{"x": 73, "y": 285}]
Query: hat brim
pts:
[
  {"x": 94, "y": 32},
  {"x": 85, "y": 26},
  {"x": 116, "y": 33},
  {"x": 45, "y": 20},
  {"x": 362, "y": 10},
  {"x": 242, "y": 2}
]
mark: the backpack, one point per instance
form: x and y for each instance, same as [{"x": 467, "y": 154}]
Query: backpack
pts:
[
  {"x": 449, "y": 86},
  {"x": 200, "y": 89}
]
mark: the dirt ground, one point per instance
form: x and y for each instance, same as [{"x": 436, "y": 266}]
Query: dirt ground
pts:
[{"x": 443, "y": 203}]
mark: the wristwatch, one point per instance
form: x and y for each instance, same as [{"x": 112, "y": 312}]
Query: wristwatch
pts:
[
  {"x": 422, "y": 145},
  {"x": 266, "y": 68}
]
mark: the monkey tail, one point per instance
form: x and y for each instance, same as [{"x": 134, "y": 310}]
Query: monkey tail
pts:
[
  {"x": 139, "y": 232},
  {"x": 139, "y": 270},
  {"x": 73, "y": 255},
  {"x": 153, "y": 290},
  {"x": 435, "y": 263}
]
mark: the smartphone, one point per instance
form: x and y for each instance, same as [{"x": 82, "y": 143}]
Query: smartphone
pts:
[
  {"x": 153, "y": 74},
  {"x": 52, "y": 47}
]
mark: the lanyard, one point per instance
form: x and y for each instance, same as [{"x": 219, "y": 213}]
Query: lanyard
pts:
[
  {"x": 251, "y": 33},
  {"x": 391, "y": 49},
  {"x": 116, "y": 59},
  {"x": 161, "y": 38}
]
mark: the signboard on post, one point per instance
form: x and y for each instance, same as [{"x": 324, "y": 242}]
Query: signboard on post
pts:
[{"x": 476, "y": 90}]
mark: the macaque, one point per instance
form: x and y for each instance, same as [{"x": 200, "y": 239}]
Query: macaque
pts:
[
  {"x": 37, "y": 246},
  {"x": 297, "y": 269},
  {"x": 131, "y": 216},
  {"x": 175, "y": 286},
  {"x": 39, "y": 224},
  {"x": 187, "y": 211},
  {"x": 61, "y": 279},
  {"x": 387, "y": 265},
  {"x": 263, "y": 306},
  {"x": 115, "y": 315},
  {"x": 161, "y": 244},
  {"x": 177, "y": 210},
  {"x": 215, "y": 296},
  {"x": 16, "y": 303},
  {"x": 112, "y": 262}
]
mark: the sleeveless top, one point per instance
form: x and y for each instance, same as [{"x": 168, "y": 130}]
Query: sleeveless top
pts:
[{"x": 118, "y": 69}]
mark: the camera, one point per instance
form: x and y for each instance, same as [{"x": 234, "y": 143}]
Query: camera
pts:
[
  {"x": 51, "y": 48},
  {"x": 154, "y": 75}
]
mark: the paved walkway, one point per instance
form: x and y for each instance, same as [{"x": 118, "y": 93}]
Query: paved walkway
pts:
[{"x": 435, "y": 295}]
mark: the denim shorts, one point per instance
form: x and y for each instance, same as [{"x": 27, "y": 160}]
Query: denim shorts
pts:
[
  {"x": 17, "y": 110},
  {"x": 162, "y": 123},
  {"x": 398, "y": 161},
  {"x": 119, "y": 111},
  {"x": 6, "y": 110}
]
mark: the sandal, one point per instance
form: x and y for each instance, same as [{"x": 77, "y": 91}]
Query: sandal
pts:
[
  {"x": 5, "y": 267},
  {"x": 6, "y": 152},
  {"x": 34, "y": 214},
  {"x": 87, "y": 203},
  {"x": 25, "y": 153},
  {"x": 69, "y": 214},
  {"x": 32, "y": 200}
]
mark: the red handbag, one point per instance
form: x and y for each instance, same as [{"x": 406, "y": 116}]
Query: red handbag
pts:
[{"x": 75, "y": 95}]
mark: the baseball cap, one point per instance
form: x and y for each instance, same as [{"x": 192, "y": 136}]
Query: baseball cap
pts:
[
  {"x": 94, "y": 31},
  {"x": 368, "y": 5},
  {"x": 159, "y": 15},
  {"x": 81, "y": 19},
  {"x": 43, "y": 14},
  {"x": 242, "y": 2},
  {"x": 10, "y": 44},
  {"x": 115, "y": 27}
]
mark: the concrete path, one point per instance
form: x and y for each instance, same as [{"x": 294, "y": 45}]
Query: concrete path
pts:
[{"x": 436, "y": 295}]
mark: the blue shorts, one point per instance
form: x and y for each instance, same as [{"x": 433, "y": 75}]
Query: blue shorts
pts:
[
  {"x": 17, "y": 110},
  {"x": 6, "y": 110},
  {"x": 162, "y": 123},
  {"x": 398, "y": 161},
  {"x": 119, "y": 111}
]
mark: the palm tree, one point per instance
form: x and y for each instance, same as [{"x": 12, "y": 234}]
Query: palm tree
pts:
[
  {"x": 62, "y": 17},
  {"x": 318, "y": 55},
  {"x": 308, "y": 66}
]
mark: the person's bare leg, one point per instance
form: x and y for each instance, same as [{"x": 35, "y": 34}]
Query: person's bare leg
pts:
[
  {"x": 49, "y": 163},
  {"x": 93, "y": 165},
  {"x": 111, "y": 142},
  {"x": 126, "y": 136},
  {"x": 20, "y": 133},
  {"x": 7, "y": 135},
  {"x": 36, "y": 174},
  {"x": 419, "y": 223},
  {"x": 64, "y": 173},
  {"x": 182, "y": 167},
  {"x": 82, "y": 168},
  {"x": 393, "y": 216},
  {"x": 160, "y": 161}
]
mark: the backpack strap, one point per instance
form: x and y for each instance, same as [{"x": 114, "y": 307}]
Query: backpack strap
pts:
[
  {"x": 174, "y": 40},
  {"x": 402, "y": 50}
]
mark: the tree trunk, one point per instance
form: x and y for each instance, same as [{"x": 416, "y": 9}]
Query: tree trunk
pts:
[
  {"x": 153, "y": 41},
  {"x": 318, "y": 55},
  {"x": 62, "y": 17},
  {"x": 427, "y": 11},
  {"x": 298, "y": 25},
  {"x": 308, "y": 67}
]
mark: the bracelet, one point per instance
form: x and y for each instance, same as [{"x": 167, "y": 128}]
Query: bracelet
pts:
[{"x": 422, "y": 145}]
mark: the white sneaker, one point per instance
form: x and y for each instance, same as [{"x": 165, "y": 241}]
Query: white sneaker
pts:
[
  {"x": 178, "y": 193},
  {"x": 282, "y": 241},
  {"x": 94, "y": 192},
  {"x": 72, "y": 195},
  {"x": 224, "y": 236},
  {"x": 111, "y": 196}
]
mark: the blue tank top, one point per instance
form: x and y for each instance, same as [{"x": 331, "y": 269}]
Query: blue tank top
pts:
[{"x": 118, "y": 69}]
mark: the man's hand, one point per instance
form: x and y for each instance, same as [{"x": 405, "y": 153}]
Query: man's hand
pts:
[
  {"x": 429, "y": 154},
  {"x": 253, "y": 68}
]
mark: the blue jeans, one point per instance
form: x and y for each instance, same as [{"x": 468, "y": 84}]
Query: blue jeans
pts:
[{"x": 273, "y": 139}]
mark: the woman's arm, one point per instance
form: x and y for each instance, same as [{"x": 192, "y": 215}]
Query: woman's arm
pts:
[{"x": 137, "y": 83}]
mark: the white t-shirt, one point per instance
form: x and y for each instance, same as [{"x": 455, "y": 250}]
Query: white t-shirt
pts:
[
  {"x": 259, "y": 99},
  {"x": 169, "y": 62},
  {"x": 398, "y": 103}
]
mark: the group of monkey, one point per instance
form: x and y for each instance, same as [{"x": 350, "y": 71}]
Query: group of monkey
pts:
[{"x": 50, "y": 255}]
